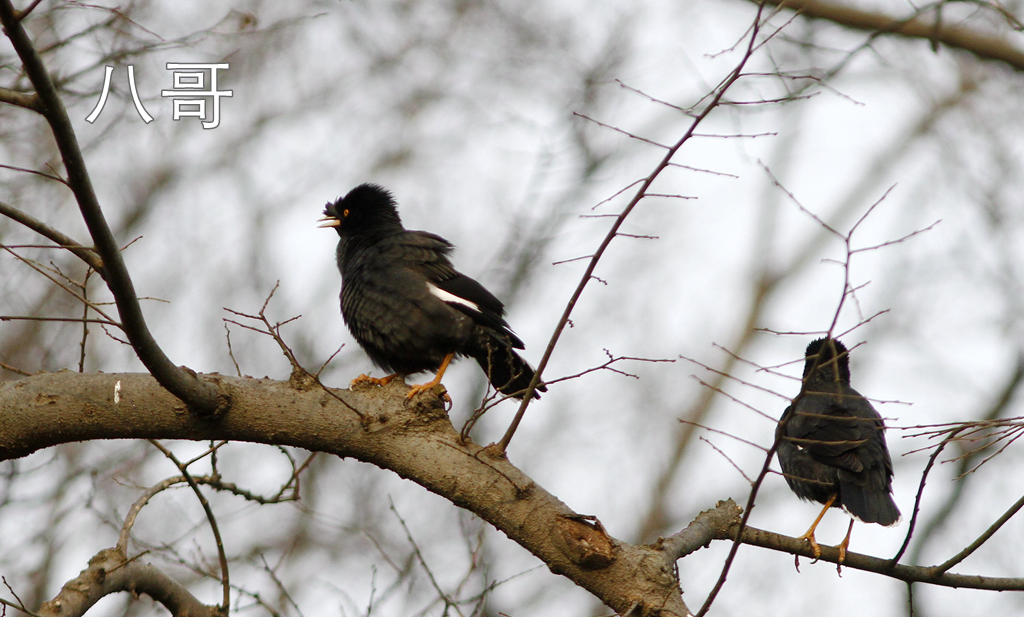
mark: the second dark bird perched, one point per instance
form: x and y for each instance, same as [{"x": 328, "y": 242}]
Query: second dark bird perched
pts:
[
  {"x": 408, "y": 307},
  {"x": 831, "y": 444}
]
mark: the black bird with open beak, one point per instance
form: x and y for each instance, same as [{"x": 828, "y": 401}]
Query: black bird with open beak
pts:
[
  {"x": 408, "y": 307},
  {"x": 831, "y": 444}
]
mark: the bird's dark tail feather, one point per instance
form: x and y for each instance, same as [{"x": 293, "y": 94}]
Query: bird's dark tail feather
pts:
[
  {"x": 506, "y": 370},
  {"x": 870, "y": 506}
]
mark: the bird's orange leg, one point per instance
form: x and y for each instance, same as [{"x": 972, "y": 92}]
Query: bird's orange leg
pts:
[
  {"x": 809, "y": 536},
  {"x": 377, "y": 381},
  {"x": 845, "y": 543},
  {"x": 433, "y": 382}
]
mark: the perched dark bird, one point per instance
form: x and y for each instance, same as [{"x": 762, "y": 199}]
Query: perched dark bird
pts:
[
  {"x": 408, "y": 307},
  {"x": 831, "y": 444}
]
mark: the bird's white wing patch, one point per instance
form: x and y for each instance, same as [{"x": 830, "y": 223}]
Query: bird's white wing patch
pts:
[{"x": 451, "y": 298}]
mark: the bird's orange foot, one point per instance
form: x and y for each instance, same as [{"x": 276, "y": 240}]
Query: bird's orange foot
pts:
[
  {"x": 433, "y": 382},
  {"x": 814, "y": 544},
  {"x": 376, "y": 381},
  {"x": 843, "y": 546},
  {"x": 423, "y": 387}
]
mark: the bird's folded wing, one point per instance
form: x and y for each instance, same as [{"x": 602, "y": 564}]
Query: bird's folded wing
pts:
[{"x": 427, "y": 255}]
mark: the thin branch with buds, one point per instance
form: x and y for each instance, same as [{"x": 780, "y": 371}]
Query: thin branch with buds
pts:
[
  {"x": 299, "y": 373},
  {"x": 641, "y": 192}
]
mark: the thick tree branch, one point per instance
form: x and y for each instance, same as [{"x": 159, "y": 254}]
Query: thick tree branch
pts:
[
  {"x": 414, "y": 439},
  {"x": 181, "y": 382},
  {"x": 109, "y": 572},
  {"x": 980, "y": 44},
  {"x": 910, "y": 574},
  {"x": 708, "y": 525}
]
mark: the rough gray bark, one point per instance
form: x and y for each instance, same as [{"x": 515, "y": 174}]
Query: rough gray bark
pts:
[
  {"x": 109, "y": 572},
  {"x": 414, "y": 439}
]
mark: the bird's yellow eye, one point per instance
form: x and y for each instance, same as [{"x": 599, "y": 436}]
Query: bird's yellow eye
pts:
[{"x": 345, "y": 212}]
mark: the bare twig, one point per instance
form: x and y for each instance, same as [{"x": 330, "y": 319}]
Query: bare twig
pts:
[
  {"x": 20, "y": 99},
  {"x": 731, "y": 462},
  {"x": 231, "y": 352},
  {"x": 917, "y": 499},
  {"x": 14, "y": 369},
  {"x": 280, "y": 586},
  {"x": 35, "y": 172},
  {"x": 973, "y": 546},
  {"x": 448, "y": 601},
  {"x": 624, "y": 132},
  {"x": 272, "y": 330},
  {"x": 965, "y": 463},
  {"x": 215, "y": 483},
  {"x": 42, "y": 270},
  {"x": 21, "y": 603},
  {"x": 608, "y": 366},
  {"x": 85, "y": 324},
  {"x": 25, "y": 13},
  {"x": 133, "y": 512},
  {"x": 737, "y": 536},
  {"x": 226, "y": 600},
  {"x": 641, "y": 192},
  {"x": 86, "y": 254},
  {"x": 730, "y": 436},
  {"x": 728, "y": 375},
  {"x": 105, "y": 322}
]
